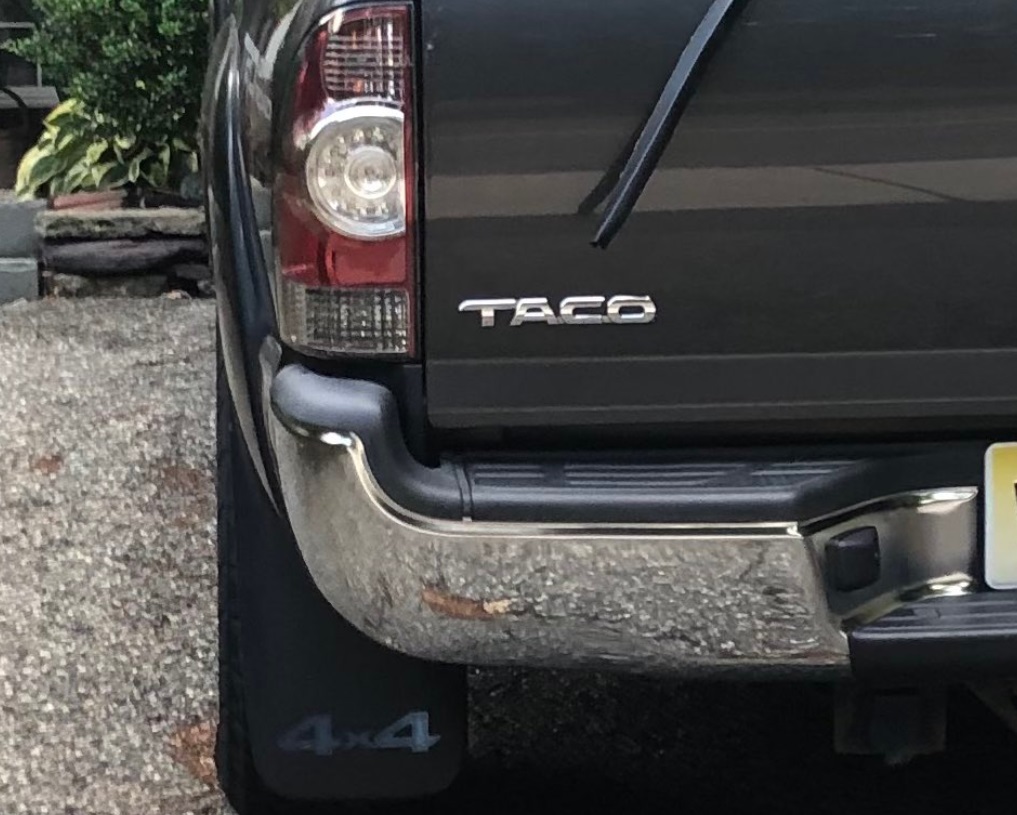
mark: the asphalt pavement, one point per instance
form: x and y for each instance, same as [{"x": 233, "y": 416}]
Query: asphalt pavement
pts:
[{"x": 107, "y": 633}]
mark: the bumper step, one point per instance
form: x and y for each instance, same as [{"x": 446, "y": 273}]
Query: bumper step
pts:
[
  {"x": 947, "y": 638},
  {"x": 718, "y": 489}
]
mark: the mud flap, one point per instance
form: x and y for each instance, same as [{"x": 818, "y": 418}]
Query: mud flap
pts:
[{"x": 331, "y": 714}]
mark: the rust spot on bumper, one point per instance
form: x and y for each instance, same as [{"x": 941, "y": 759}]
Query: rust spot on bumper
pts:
[{"x": 463, "y": 608}]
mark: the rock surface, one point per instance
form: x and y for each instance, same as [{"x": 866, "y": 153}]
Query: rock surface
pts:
[
  {"x": 193, "y": 278},
  {"x": 124, "y": 253},
  {"x": 170, "y": 222},
  {"x": 115, "y": 257},
  {"x": 57, "y": 284}
]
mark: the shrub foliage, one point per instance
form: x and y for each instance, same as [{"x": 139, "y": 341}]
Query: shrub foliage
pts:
[
  {"x": 135, "y": 68},
  {"x": 71, "y": 156}
]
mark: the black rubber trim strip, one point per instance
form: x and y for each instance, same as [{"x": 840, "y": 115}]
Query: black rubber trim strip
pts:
[
  {"x": 968, "y": 637},
  {"x": 314, "y": 403},
  {"x": 617, "y": 487},
  {"x": 682, "y": 487},
  {"x": 660, "y": 125}
]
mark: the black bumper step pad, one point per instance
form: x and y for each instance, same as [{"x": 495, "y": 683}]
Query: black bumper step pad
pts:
[
  {"x": 948, "y": 638},
  {"x": 717, "y": 489}
]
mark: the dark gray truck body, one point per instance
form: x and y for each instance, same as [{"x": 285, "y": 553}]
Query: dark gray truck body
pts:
[
  {"x": 828, "y": 237},
  {"x": 779, "y": 475}
]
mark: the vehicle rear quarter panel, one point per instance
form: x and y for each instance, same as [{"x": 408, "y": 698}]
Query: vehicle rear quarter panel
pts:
[{"x": 243, "y": 295}]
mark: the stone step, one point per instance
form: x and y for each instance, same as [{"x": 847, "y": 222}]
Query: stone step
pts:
[
  {"x": 59, "y": 226},
  {"x": 111, "y": 258},
  {"x": 19, "y": 279},
  {"x": 17, "y": 231}
]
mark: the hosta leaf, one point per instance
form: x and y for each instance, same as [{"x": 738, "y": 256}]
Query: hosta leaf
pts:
[
  {"x": 65, "y": 138},
  {"x": 48, "y": 138},
  {"x": 116, "y": 177},
  {"x": 95, "y": 151},
  {"x": 58, "y": 185},
  {"x": 157, "y": 175},
  {"x": 23, "y": 185},
  {"x": 135, "y": 167},
  {"x": 100, "y": 171},
  {"x": 65, "y": 111},
  {"x": 44, "y": 169},
  {"x": 134, "y": 170},
  {"x": 79, "y": 177}
]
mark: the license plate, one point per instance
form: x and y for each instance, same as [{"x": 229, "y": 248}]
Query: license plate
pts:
[{"x": 1001, "y": 516}]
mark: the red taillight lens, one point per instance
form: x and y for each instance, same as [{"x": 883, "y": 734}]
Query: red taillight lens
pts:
[{"x": 344, "y": 194}]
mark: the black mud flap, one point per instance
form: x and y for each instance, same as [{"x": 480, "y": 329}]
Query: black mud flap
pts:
[{"x": 332, "y": 715}]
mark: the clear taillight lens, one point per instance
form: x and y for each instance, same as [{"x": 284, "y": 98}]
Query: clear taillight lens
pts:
[
  {"x": 355, "y": 171},
  {"x": 344, "y": 195}
]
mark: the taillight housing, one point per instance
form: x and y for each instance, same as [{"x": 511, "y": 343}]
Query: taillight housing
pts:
[{"x": 344, "y": 195}]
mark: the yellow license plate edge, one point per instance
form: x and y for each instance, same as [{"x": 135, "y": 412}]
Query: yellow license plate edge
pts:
[{"x": 1001, "y": 515}]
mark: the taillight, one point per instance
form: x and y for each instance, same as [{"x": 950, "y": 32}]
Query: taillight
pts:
[{"x": 345, "y": 188}]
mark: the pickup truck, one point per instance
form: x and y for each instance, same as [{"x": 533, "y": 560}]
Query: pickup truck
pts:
[{"x": 663, "y": 336}]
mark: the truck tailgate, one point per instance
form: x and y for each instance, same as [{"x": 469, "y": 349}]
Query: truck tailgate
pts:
[{"x": 830, "y": 234}]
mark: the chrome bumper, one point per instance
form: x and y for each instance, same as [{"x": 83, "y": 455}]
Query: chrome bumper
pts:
[{"x": 747, "y": 599}]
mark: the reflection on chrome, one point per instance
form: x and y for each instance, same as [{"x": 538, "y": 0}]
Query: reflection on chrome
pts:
[{"x": 333, "y": 439}]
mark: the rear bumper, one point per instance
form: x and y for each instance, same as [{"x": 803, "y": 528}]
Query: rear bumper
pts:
[{"x": 708, "y": 599}]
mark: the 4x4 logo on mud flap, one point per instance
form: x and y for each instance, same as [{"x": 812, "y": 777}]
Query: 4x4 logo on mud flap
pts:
[{"x": 316, "y": 734}]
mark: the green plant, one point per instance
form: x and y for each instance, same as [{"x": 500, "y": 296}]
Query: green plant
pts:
[
  {"x": 136, "y": 67},
  {"x": 76, "y": 154}
]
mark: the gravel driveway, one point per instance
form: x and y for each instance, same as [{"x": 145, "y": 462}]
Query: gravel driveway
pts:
[
  {"x": 107, "y": 636},
  {"x": 107, "y": 586}
]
